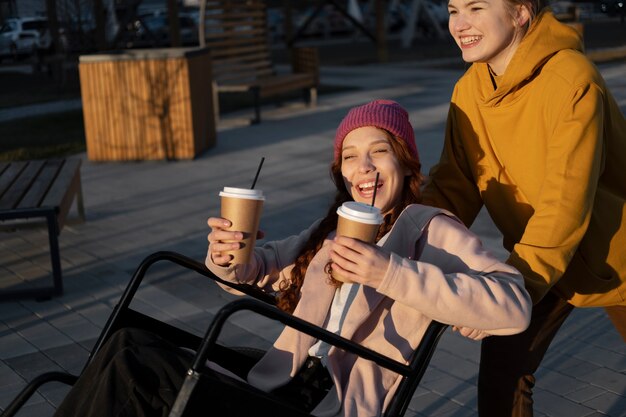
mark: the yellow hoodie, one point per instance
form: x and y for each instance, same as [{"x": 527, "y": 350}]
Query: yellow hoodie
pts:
[{"x": 545, "y": 152}]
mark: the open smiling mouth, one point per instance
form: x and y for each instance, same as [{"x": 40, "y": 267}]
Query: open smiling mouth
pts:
[
  {"x": 366, "y": 189},
  {"x": 469, "y": 41}
]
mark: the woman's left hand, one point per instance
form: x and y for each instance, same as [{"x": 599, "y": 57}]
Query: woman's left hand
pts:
[
  {"x": 359, "y": 262},
  {"x": 471, "y": 333}
]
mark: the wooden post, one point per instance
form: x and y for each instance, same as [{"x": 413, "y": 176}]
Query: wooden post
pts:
[
  {"x": 381, "y": 32},
  {"x": 202, "y": 24},
  {"x": 53, "y": 23},
  {"x": 172, "y": 13},
  {"x": 100, "y": 37},
  {"x": 288, "y": 23}
]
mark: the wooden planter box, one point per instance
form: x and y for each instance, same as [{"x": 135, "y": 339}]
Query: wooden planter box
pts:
[{"x": 147, "y": 104}]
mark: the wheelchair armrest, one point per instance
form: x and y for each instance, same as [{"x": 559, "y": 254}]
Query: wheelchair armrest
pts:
[
  {"x": 138, "y": 276},
  {"x": 411, "y": 373},
  {"x": 194, "y": 265},
  {"x": 274, "y": 313}
]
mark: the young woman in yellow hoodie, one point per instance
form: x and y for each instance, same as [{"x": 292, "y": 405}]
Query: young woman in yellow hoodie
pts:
[{"x": 535, "y": 136}]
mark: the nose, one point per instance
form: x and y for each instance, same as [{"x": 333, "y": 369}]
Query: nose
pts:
[
  {"x": 366, "y": 165},
  {"x": 458, "y": 23}
]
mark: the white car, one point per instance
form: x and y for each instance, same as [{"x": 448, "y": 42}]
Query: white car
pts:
[{"x": 24, "y": 36}]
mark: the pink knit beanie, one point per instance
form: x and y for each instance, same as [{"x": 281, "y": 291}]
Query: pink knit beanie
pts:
[{"x": 384, "y": 114}]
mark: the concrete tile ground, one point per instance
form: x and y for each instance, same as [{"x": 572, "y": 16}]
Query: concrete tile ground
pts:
[{"x": 136, "y": 208}]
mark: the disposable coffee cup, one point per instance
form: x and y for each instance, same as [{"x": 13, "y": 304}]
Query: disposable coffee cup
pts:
[
  {"x": 359, "y": 221},
  {"x": 243, "y": 208}
]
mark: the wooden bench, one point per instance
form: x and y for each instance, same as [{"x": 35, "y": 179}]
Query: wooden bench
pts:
[
  {"x": 237, "y": 35},
  {"x": 36, "y": 190}
]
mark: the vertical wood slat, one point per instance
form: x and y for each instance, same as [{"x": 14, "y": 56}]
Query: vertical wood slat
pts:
[
  {"x": 128, "y": 99},
  {"x": 13, "y": 195}
]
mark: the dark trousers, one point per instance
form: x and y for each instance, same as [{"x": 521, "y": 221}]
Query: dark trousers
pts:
[
  {"x": 137, "y": 373},
  {"x": 508, "y": 363}
]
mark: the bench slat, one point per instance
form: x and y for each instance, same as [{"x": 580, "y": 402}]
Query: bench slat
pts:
[
  {"x": 243, "y": 77},
  {"x": 243, "y": 64},
  {"x": 240, "y": 33},
  {"x": 226, "y": 52},
  {"x": 15, "y": 192},
  {"x": 3, "y": 166},
  {"x": 217, "y": 46},
  {"x": 237, "y": 25},
  {"x": 40, "y": 186},
  {"x": 67, "y": 185},
  {"x": 230, "y": 6},
  {"x": 10, "y": 172},
  {"x": 215, "y": 18}
]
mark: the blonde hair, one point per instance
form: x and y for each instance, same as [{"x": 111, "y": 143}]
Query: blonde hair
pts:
[{"x": 534, "y": 7}]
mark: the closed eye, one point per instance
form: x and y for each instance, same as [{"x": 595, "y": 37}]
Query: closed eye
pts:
[{"x": 381, "y": 150}]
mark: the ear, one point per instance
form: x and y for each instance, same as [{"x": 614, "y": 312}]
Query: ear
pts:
[{"x": 522, "y": 15}]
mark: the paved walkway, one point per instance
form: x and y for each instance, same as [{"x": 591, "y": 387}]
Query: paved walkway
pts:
[{"x": 134, "y": 209}]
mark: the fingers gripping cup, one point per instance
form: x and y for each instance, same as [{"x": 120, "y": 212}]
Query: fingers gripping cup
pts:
[
  {"x": 243, "y": 208},
  {"x": 359, "y": 221}
]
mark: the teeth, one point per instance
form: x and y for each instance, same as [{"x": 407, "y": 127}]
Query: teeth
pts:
[
  {"x": 367, "y": 185},
  {"x": 470, "y": 39}
]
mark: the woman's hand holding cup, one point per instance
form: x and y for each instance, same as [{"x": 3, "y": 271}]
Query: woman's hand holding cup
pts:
[{"x": 222, "y": 241}]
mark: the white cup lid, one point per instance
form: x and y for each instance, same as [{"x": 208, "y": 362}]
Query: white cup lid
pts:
[
  {"x": 247, "y": 193},
  {"x": 360, "y": 212}
]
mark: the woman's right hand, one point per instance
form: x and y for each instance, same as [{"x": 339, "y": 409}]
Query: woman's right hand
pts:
[{"x": 221, "y": 241}]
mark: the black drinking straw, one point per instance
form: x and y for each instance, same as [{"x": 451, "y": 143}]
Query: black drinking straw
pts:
[
  {"x": 257, "y": 173},
  {"x": 375, "y": 188}
]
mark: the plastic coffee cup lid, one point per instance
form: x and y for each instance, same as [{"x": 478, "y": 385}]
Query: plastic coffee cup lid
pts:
[
  {"x": 242, "y": 193},
  {"x": 360, "y": 212}
]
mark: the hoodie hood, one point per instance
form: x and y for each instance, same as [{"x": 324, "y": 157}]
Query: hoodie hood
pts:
[{"x": 545, "y": 37}]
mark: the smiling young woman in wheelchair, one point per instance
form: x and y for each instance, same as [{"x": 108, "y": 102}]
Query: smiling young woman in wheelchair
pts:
[{"x": 424, "y": 266}]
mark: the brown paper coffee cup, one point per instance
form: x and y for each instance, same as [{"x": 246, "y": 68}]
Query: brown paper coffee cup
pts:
[
  {"x": 243, "y": 208},
  {"x": 358, "y": 221}
]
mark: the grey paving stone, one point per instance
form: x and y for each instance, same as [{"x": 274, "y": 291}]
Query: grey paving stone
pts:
[
  {"x": 584, "y": 394},
  {"x": 603, "y": 357},
  {"x": 13, "y": 344},
  {"x": 555, "y": 405},
  {"x": 35, "y": 408},
  {"x": 608, "y": 379},
  {"x": 433, "y": 405},
  {"x": 558, "y": 383},
  {"x": 42, "y": 335},
  {"x": 608, "y": 403},
  {"x": 32, "y": 364},
  {"x": 70, "y": 358}
]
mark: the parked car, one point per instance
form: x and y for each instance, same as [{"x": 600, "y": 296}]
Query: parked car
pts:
[
  {"x": 24, "y": 36},
  {"x": 153, "y": 30},
  {"x": 613, "y": 7}
]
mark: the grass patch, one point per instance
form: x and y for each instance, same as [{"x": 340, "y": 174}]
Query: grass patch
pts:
[
  {"x": 19, "y": 89},
  {"x": 54, "y": 135}
]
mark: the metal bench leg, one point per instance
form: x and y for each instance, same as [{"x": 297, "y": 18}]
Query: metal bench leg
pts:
[
  {"x": 310, "y": 96},
  {"x": 256, "y": 97},
  {"x": 55, "y": 259},
  {"x": 53, "y": 232},
  {"x": 216, "y": 103}
]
